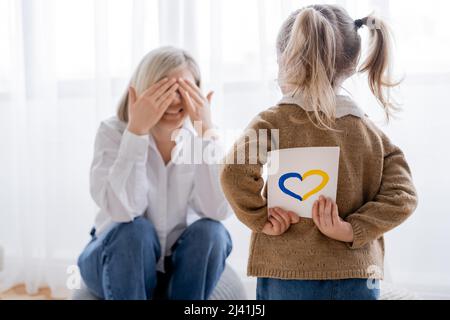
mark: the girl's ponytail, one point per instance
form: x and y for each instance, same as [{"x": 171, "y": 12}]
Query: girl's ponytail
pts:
[
  {"x": 308, "y": 63},
  {"x": 378, "y": 62},
  {"x": 319, "y": 47}
]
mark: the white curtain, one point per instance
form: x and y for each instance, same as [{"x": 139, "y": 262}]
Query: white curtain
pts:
[{"x": 64, "y": 64}]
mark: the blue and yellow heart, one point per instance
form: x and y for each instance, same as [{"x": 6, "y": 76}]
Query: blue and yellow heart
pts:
[{"x": 298, "y": 176}]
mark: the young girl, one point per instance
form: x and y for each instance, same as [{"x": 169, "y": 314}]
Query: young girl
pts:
[
  {"x": 333, "y": 255},
  {"x": 157, "y": 233}
]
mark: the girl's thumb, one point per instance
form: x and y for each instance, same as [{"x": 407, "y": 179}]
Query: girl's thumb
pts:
[{"x": 294, "y": 218}]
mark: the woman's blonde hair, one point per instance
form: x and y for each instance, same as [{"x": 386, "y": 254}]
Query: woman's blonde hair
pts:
[
  {"x": 155, "y": 66},
  {"x": 319, "y": 46}
]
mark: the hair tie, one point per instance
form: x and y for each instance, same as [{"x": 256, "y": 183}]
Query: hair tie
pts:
[{"x": 359, "y": 23}]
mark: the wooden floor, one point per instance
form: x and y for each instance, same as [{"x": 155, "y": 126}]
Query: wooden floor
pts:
[{"x": 19, "y": 293}]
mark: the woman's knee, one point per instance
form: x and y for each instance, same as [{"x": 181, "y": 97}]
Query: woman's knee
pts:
[
  {"x": 140, "y": 232},
  {"x": 212, "y": 233}
]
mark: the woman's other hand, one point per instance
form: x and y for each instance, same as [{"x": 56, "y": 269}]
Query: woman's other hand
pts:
[
  {"x": 197, "y": 105},
  {"x": 145, "y": 111}
]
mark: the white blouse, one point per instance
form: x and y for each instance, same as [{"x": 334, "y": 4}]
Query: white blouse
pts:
[{"x": 130, "y": 179}]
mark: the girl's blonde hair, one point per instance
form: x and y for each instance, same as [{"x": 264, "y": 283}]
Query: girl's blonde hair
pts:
[
  {"x": 319, "y": 46},
  {"x": 154, "y": 67}
]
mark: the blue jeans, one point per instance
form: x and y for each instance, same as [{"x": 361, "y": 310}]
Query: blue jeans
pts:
[
  {"x": 120, "y": 264},
  {"x": 351, "y": 289}
]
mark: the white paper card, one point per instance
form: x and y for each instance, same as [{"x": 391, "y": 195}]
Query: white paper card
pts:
[{"x": 297, "y": 177}]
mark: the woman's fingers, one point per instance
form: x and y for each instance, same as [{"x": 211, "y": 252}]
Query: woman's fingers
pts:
[
  {"x": 165, "y": 104},
  {"x": 132, "y": 96},
  {"x": 157, "y": 86},
  {"x": 189, "y": 104},
  {"x": 167, "y": 94},
  {"x": 196, "y": 95},
  {"x": 156, "y": 94},
  {"x": 153, "y": 88},
  {"x": 209, "y": 97},
  {"x": 194, "y": 87}
]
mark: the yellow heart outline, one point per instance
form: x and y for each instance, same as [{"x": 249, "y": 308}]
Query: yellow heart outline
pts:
[{"x": 325, "y": 180}]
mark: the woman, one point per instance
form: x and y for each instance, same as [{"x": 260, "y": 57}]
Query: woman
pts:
[{"x": 157, "y": 234}]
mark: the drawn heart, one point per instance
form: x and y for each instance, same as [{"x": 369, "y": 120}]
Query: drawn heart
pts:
[{"x": 294, "y": 175}]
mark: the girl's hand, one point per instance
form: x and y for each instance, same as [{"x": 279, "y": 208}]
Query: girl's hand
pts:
[
  {"x": 198, "y": 106},
  {"x": 145, "y": 111},
  {"x": 326, "y": 217},
  {"x": 279, "y": 222}
]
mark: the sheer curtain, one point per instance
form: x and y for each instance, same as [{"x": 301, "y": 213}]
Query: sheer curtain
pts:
[{"x": 64, "y": 64}]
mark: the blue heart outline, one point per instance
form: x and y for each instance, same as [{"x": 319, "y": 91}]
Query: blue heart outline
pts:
[{"x": 286, "y": 177}]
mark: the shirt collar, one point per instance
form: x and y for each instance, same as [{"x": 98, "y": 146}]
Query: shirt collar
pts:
[{"x": 345, "y": 106}]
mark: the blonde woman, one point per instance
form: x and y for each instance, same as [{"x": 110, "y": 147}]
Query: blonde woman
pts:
[
  {"x": 157, "y": 234},
  {"x": 339, "y": 253}
]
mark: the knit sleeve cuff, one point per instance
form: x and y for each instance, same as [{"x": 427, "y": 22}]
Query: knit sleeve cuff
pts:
[
  {"x": 259, "y": 226},
  {"x": 358, "y": 236},
  {"x": 255, "y": 221}
]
